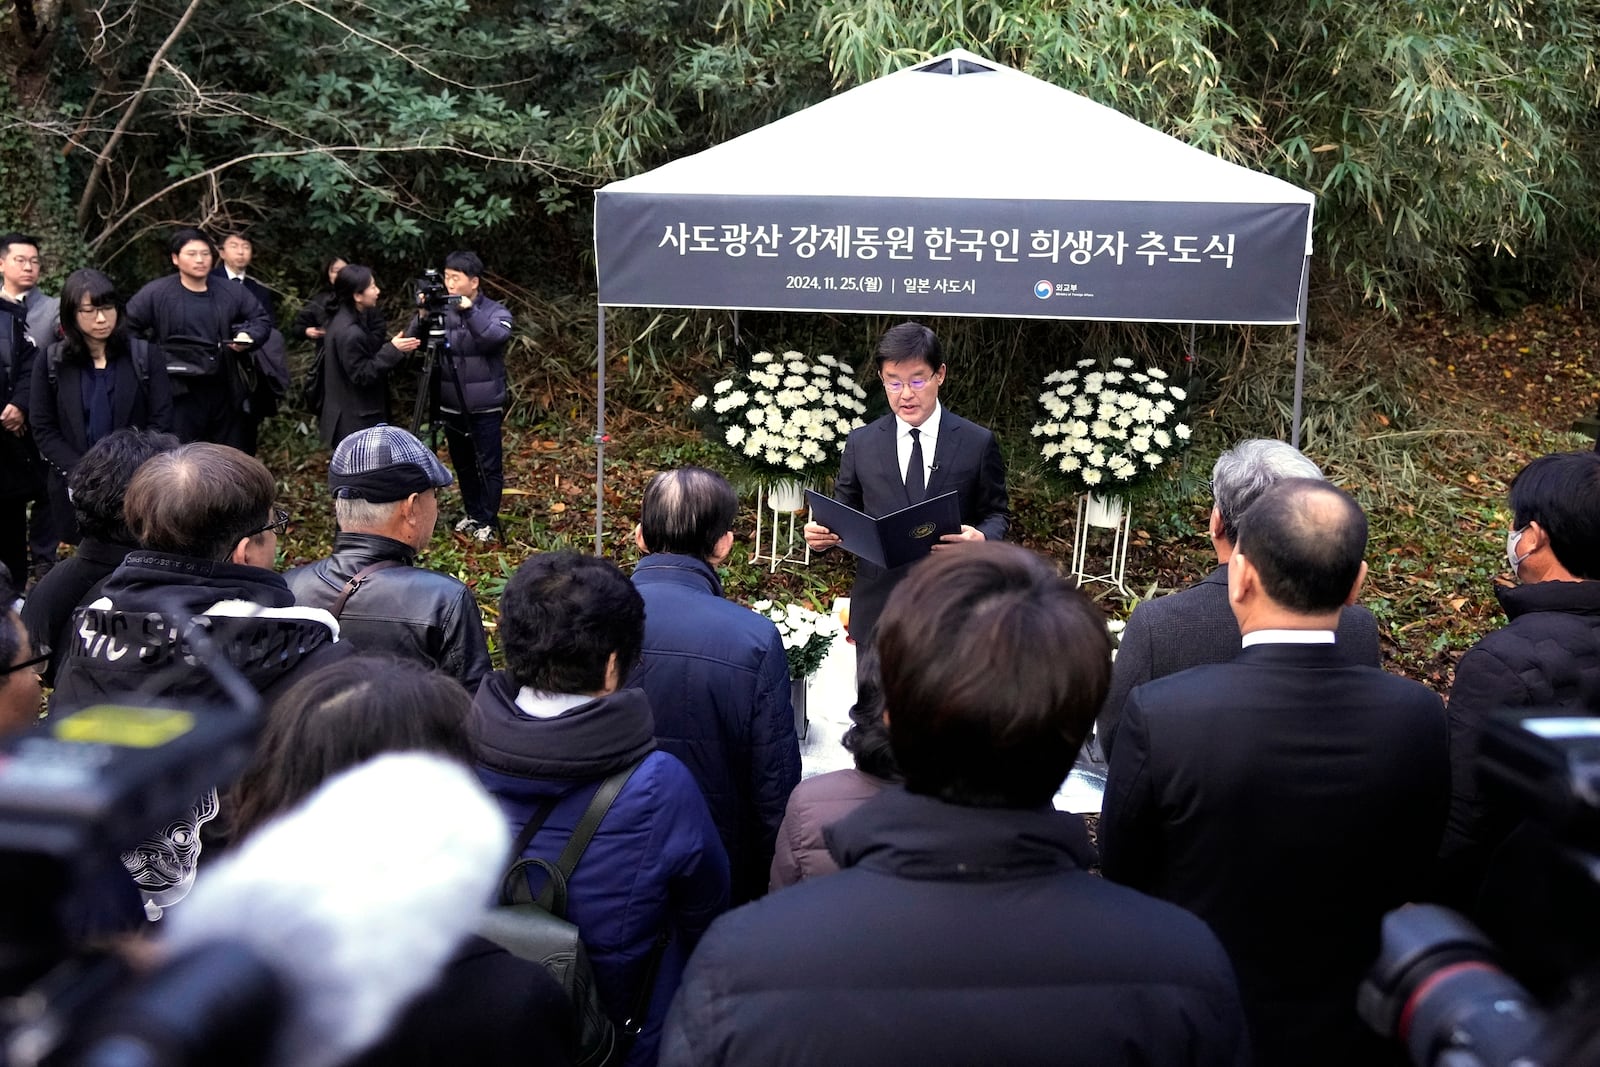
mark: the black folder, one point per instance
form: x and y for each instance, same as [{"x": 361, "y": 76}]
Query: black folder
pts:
[{"x": 893, "y": 540}]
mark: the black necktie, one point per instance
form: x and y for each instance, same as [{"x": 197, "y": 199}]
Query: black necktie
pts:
[{"x": 916, "y": 489}]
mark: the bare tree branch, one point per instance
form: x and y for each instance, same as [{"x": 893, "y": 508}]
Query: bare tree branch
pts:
[
  {"x": 333, "y": 150},
  {"x": 104, "y": 157}
]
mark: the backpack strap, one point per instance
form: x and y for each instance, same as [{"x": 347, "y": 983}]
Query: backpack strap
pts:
[
  {"x": 337, "y": 607},
  {"x": 584, "y": 832}
]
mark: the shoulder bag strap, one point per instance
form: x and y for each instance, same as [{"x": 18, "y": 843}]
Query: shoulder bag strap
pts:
[
  {"x": 337, "y": 607},
  {"x": 584, "y": 832}
]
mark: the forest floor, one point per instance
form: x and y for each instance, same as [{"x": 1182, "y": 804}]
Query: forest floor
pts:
[{"x": 1430, "y": 458}]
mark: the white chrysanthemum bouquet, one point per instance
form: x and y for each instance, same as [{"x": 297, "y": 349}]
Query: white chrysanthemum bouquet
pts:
[
  {"x": 1105, "y": 429},
  {"x": 785, "y": 417},
  {"x": 807, "y": 635}
]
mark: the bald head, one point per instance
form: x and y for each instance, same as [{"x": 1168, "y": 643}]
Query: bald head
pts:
[
  {"x": 1305, "y": 539},
  {"x": 687, "y": 511}
]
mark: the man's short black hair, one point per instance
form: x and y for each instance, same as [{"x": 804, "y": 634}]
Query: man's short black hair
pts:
[
  {"x": 466, "y": 262},
  {"x": 977, "y": 715},
  {"x": 686, "y": 511},
  {"x": 100, "y": 480},
  {"x": 1561, "y": 492},
  {"x": 562, "y": 615},
  {"x": 183, "y": 235},
  {"x": 909, "y": 340},
  {"x": 17, "y": 239},
  {"x": 1306, "y": 540}
]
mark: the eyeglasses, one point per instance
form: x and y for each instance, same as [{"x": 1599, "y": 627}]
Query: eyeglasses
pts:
[
  {"x": 25, "y": 261},
  {"x": 279, "y": 523},
  {"x": 36, "y": 664},
  {"x": 94, "y": 311},
  {"x": 917, "y": 385}
]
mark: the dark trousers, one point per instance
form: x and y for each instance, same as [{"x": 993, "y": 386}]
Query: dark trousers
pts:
[
  {"x": 475, "y": 452},
  {"x": 207, "y": 409}
]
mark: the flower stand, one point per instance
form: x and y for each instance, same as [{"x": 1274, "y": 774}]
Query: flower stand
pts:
[
  {"x": 1107, "y": 513},
  {"x": 781, "y": 497}
]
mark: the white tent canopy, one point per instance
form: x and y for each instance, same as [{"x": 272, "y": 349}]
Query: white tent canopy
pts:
[{"x": 958, "y": 187}]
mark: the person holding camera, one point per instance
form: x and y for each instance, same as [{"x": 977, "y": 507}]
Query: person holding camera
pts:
[
  {"x": 472, "y": 393},
  {"x": 356, "y": 360}
]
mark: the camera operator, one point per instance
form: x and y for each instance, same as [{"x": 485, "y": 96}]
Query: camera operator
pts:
[{"x": 472, "y": 392}]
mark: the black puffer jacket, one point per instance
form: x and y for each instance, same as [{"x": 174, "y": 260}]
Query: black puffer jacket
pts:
[
  {"x": 408, "y": 611},
  {"x": 118, "y": 648},
  {"x": 477, "y": 360},
  {"x": 956, "y": 935},
  {"x": 1547, "y": 655}
]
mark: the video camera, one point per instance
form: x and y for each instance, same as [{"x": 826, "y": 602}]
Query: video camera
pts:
[
  {"x": 1442, "y": 987},
  {"x": 75, "y": 792},
  {"x": 432, "y": 299},
  {"x": 431, "y": 296}
]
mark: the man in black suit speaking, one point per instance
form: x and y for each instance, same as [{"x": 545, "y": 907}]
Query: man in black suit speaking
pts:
[
  {"x": 1287, "y": 797},
  {"x": 917, "y": 451}
]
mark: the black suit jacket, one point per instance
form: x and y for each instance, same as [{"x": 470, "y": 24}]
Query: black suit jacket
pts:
[
  {"x": 1289, "y": 799},
  {"x": 263, "y": 295},
  {"x": 1194, "y": 627},
  {"x": 968, "y": 461}
]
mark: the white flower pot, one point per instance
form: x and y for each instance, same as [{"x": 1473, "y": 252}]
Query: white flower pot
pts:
[
  {"x": 786, "y": 495},
  {"x": 1104, "y": 511}
]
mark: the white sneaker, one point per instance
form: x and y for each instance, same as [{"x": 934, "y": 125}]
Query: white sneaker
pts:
[
  {"x": 465, "y": 525},
  {"x": 483, "y": 533}
]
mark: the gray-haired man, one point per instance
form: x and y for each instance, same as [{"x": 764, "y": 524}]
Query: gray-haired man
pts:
[
  {"x": 1196, "y": 626},
  {"x": 385, "y": 487}
]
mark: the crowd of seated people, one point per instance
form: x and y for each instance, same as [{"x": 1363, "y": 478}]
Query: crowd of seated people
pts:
[{"x": 1271, "y": 792}]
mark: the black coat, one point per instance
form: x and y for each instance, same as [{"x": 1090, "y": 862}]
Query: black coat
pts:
[
  {"x": 1290, "y": 800},
  {"x": 1195, "y": 627},
  {"x": 115, "y": 650},
  {"x": 59, "y": 427},
  {"x": 408, "y": 611},
  {"x": 1547, "y": 655},
  {"x": 968, "y": 461},
  {"x": 488, "y": 1009},
  {"x": 19, "y": 460},
  {"x": 956, "y": 936},
  {"x": 355, "y": 370},
  {"x": 47, "y": 613}
]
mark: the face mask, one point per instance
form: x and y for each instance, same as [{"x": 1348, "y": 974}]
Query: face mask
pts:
[{"x": 1511, "y": 549}]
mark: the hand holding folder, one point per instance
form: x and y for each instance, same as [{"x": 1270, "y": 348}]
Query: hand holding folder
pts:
[{"x": 892, "y": 540}]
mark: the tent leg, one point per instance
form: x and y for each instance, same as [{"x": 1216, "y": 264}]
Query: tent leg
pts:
[
  {"x": 600, "y": 434},
  {"x": 1300, "y": 354}
]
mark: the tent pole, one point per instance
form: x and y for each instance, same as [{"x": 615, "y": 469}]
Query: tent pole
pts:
[
  {"x": 600, "y": 435},
  {"x": 1300, "y": 354}
]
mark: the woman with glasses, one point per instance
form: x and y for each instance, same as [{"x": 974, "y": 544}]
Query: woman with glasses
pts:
[
  {"x": 356, "y": 359},
  {"x": 20, "y": 690},
  {"x": 97, "y": 379}
]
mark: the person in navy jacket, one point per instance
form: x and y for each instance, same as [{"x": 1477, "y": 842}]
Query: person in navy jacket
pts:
[
  {"x": 715, "y": 672},
  {"x": 553, "y": 726}
]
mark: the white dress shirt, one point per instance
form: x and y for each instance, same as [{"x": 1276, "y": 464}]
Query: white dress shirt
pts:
[
  {"x": 928, "y": 433},
  {"x": 1288, "y": 637}
]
